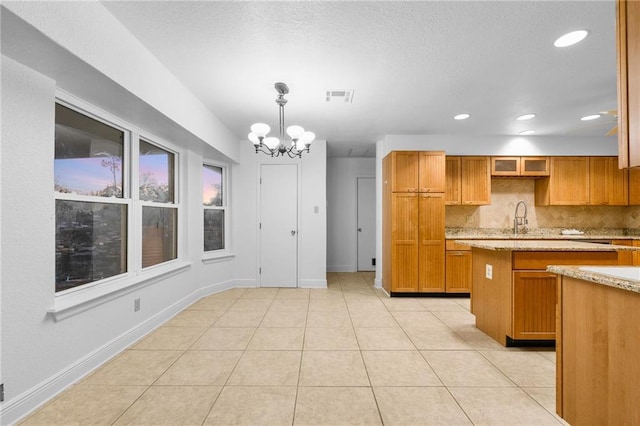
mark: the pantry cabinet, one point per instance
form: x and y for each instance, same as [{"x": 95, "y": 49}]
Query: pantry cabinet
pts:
[
  {"x": 468, "y": 181},
  {"x": 413, "y": 222},
  {"x": 628, "y": 48},
  {"x": 418, "y": 171}
]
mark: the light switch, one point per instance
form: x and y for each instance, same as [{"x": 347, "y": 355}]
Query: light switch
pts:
[
  {"x": 489, "y": 271},
  {"x": 316, "y": 209}
]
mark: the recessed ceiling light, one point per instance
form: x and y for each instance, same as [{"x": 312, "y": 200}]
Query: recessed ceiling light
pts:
[
  {"x": 526, "y": 117},
  {"x": 571, "y": 38},
  {"x": 462, "y": 116},
  {"x": 527, "y": 132},
  {"x": 590, "y": 117}
]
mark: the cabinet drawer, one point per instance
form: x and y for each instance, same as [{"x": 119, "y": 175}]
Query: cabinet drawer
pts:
[
  {"x": 452, "y": 245},
  {"x": 539, "y": 260}
]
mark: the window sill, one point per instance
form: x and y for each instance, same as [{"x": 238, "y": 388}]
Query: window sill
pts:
[
  {"x": 222, "y": 256},
  {"x": 68, "y": 305}
]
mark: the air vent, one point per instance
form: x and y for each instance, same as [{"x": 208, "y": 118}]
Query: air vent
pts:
[{"x": 339, "y": 96}]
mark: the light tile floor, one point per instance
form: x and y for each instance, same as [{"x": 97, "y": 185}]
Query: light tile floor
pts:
[{"x": 344, "y": 355}]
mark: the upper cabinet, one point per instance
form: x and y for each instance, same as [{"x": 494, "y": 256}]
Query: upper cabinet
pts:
[
  {"x": 567, "y": 184},
  {"x": 418, "y": 171},
  {"x": 468, "y": 181},
  {"x": 628, "y": 46},
  {"x": 431, "y": 171},
  {"x": 608, "y": 185},
  {"x": 634, "y": 187},
  {"x": 520, "y": 166},
  {"x": 576, "y": 181}
]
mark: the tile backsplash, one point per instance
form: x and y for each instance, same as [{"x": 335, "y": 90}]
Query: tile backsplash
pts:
[{"x": 505, "y": 194}]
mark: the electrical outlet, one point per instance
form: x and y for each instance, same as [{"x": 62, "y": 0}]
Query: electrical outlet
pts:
[
  {"x": 470, "y": 219},
  {"x": 489, "y": 271},
  {"x": 136, "y": 304},
  {"x": 573, "y": 220}
]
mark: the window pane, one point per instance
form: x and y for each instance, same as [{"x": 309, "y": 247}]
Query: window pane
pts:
[
  {"x": 156, "y": 174},
  {"x": 159, "y": 235},
  {"x": 88, "y": 155},
  {"x": 212, "y": 186},
  {"x": 90, "y": 242},
  {"x": 213, "y": 230}
]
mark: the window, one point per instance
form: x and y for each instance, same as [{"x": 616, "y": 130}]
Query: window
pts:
[
  {"x": 91, "y": 207},
  {"x": 159, "y": 211},
  {"x": 214, "y": 202},
  {"x": 103, "y": 227}
]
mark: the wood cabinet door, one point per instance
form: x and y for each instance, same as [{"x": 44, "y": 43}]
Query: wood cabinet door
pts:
[
  {"x": 634, "y": 187},
  {"x": 432, "y": 171},
  {"x": 475, "y": 173},
  {"x": 432, "y": 244},
  {"x": 404, "y": 242},
  {"x": 458, "y": 271},
  {"x": 404, "y": 171},
  {"x": 628, "y": 47},
  {"x": 608, "y": 185},
  {"x": 534, "y": 166},
  {"x": 452, "y": 190},
  {"x": 534, "y": 305},
  {"x": 569, "y": 181},
  {"x": 505, "y": 166}
]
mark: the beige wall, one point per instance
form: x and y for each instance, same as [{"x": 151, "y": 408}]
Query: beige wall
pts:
[{"x": 505, "y": 194}]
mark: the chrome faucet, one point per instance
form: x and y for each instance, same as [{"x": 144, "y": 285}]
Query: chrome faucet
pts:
[{"x": 520, "y": 220}]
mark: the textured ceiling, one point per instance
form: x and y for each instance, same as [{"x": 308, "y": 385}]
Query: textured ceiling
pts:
[{"x": 412, "y": 65}]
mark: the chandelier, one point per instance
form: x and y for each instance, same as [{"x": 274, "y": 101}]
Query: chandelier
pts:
[{"x": 276, "y": 147}]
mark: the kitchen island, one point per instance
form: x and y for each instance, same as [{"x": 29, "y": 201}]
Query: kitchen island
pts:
[
  {"x": 514, "y": 296},
  {"x": 598, "y": 350}
]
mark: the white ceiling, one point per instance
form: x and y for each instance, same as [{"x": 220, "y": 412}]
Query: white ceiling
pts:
[{"x": 412, "y": 65}]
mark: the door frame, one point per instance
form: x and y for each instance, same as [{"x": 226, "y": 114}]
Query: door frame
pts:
[
  {"x": 355, "y": 221},
  {"x": 259, "y": 216}
]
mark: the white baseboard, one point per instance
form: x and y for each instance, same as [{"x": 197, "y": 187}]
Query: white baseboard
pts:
[
  {"x": 313, "y": 283},
  {"x": 341, "y": 268},
  {"x": 377, "y": 283},
  {"x": 24, "y": 404}
]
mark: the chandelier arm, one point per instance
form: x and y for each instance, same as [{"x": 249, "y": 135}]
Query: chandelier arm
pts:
[{"x": 262, "y": 150}]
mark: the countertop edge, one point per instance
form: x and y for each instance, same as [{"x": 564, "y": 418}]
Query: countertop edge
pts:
[
  {"x": 596, "y": 277},
  {"x": 542, "y": 245}
]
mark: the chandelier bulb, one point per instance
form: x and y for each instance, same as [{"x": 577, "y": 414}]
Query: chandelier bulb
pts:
[
  {"x": 260, "y": 129},
  {"x": 272, "y": 142},
  {"x": 254, "y": 139},
  {"x": 295, "y": 132}
]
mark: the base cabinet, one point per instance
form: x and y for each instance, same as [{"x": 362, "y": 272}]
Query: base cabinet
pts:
[
  {"x": 458, "y": 269},
  {"x": 534, "y": 305},
  {"x": 597, "y": 368}
]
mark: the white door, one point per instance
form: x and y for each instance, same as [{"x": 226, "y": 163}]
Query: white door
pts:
[
  {"x": 366, "y": 224},
  {"x": 278, "y": 225}
]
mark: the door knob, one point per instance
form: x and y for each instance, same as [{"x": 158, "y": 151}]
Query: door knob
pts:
[
  {"x": 359, "y": 229},
  {"x": 293, "y": 232}
]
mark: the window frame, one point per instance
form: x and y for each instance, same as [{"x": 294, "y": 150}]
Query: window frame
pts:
[
  {"x": 71, "y": 301},
  {"x": 172, "y": 149},
  {"x": 213, "y": 255}
]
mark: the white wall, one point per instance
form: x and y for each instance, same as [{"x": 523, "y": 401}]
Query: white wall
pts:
[
  {"x": 312, "y": 230},
  {"x": 41, "y": 356},
  {"x": 342, "y": 242},
  {"x": 91, "y": 54}
]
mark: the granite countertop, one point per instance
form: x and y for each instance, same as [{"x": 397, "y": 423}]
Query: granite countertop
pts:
[
  {"x": 539, "y": 234},
  {"x": 621, "y": 277},
  {"x": 542, "y": 245}
]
